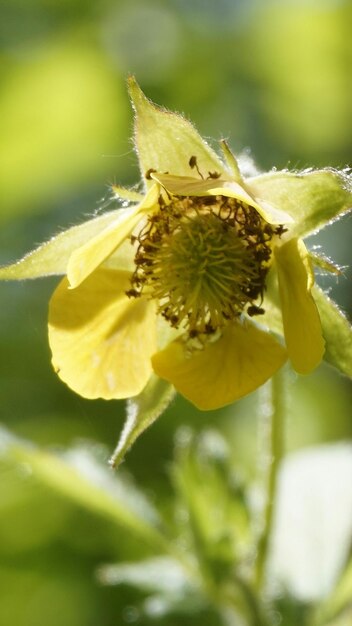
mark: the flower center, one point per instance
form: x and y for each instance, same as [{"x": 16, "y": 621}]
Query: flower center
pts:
[{"x": 204, "y": 260}]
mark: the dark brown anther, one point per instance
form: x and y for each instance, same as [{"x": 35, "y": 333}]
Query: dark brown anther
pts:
[
  {"x": 132, "y": 293},
  {"x": 148, "y": 173},
  {"x": 193, "y": 164},
  {"x": 208, "y": 200},
  {"x": 268, "y": 230},
  {"x": 280, "y": 230},
  {"x": 255, "y": 310}
]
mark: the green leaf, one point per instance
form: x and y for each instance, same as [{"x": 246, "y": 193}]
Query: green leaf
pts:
[
  {"x": 157, "y": 574},
  {"x": 315, "y": 486},
  {"x": 337, "y": 332},
  {"x": 338, "y": 601},
  {"x": 312, "y": 199},
  {"x": 166, "y": 141},
  {"x": 52, "y": 257},
  {"x": 78, "y": 476},
  {"x": 142, "y": 411},
  {"x": 169, "y": 585}
]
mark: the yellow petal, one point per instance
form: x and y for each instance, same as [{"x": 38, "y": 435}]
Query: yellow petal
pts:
[
  {"x": 302, "y": 326},
  {"x": 102, "y": 341},
  {"x": 88, "y": 257},
  {"x": 122, "y": 258},
  {"x": 186, "y": 185},
  {"x": 189, "y": 186},
  {"x": 239, "y": 362}
]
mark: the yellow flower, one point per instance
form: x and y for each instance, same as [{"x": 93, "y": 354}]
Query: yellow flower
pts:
[
  {"x": 191, "y": 281},
  {"x": 200, "y": 262},
  {"x": 202, "y": 249}
]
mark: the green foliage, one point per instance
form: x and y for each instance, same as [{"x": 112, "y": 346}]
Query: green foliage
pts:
[
  {"x": 273, "y": 76},
  {"x": 337, "y": 333},
  {"x": 313, "y": 199},
  {"x": 52, "y": 134},
  {"x": 81, "y": 480},
  {"x": 142, "y": 411},
  {"x": 200, "y": 560}
]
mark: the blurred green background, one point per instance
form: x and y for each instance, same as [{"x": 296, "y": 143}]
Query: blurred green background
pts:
[{"x": 267, "y": 75}]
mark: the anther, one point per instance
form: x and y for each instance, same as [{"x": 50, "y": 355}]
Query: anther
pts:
[
  {"x": 148, "y": 173},
  {"x": 204, "y": 260},
  {"x": 193, "y": 164}
]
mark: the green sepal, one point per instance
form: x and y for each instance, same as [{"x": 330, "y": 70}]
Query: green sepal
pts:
[
  {"x": 51, "y": 258},
  {"x": 122, "y": 193},
  {"x": 325, "y": 264},
  {"x": 231, "y": 162},
  {"x": 312, "y": 199},
  {"x": 337, "y": 333},
  {"x": 142, "y": 411},
  {"x": 165, "y": 141}
]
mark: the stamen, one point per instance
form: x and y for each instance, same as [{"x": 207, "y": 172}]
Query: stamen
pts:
[{"x": 204, "y": 260}]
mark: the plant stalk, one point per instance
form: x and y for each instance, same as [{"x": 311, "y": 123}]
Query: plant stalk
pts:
[{"x": 274, "y": 415}]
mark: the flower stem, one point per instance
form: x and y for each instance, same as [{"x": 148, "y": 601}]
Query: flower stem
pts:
[{"x": 274, "y": 414}]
